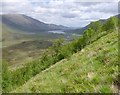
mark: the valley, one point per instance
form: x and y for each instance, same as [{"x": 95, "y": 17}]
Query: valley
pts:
[
  {"x": 38, "y": 57},
  {"x": 22, "y": 46}
]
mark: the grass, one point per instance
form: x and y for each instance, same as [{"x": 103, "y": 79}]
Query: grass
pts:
[
  {"x": 93, "y": 69},
  {"x": 12, "y": 36},
  {"x": 20, "y": 47},
  {"x": 26, "y": 49}
]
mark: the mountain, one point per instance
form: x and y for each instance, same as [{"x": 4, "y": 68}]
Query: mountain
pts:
[
  {"x": 28, "y": 24},
  {"x": 82, "y": 29},
  {"x": 17, "y": 28}
]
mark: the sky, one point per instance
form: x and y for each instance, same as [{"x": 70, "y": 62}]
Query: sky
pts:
[{"x": 72, "y": 13}]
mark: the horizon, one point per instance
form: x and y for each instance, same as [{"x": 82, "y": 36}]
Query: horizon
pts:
[
  {"x": 53, "y": 23},
  {"x": 71, "y": 14}
]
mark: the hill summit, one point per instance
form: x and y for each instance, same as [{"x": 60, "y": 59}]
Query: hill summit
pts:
[{"x": 26, "y": 23}]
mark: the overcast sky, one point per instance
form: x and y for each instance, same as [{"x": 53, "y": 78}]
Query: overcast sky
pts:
[{"x": 75, "y": 13}]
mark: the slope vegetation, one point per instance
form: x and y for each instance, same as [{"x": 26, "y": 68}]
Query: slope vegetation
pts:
[
  {"x": 93, "y": 41},
  {"x": 11, "y": 36},
  {"x": 93, "y": 69}
]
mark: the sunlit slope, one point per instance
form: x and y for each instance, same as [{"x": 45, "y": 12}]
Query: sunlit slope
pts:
[
  {"x": 11, "y": 36},
  {"x": 93, "y": 69}
]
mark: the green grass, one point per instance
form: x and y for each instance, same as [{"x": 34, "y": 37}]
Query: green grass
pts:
[
  {"x": 12, "y": 36},
  {"x": 20, "y": 47},
  {"x": 93, "y": 69},
  {"x": 25, "y": 51}
]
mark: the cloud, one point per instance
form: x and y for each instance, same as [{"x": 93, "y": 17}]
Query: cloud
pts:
[
  {"x": 15, "y": 6},
  {"x": 105, "y": 7},
  {"x": 69, "y": 15},
  {"x": 66, "y": 12}
]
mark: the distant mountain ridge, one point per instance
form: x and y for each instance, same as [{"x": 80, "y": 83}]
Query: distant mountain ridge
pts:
[
  {"x": 82, "y": 29},
  {"x": 29, "y": 24}
]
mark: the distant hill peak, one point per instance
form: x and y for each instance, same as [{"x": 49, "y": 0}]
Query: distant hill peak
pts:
[
  {"x": 26, "y": 23},
  {"x": 17, "y": 18}
]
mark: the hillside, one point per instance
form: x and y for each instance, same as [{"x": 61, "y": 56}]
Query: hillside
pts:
[
  {"x": 17, "y": 28},
  {"x": 21, "y": 53},
  {"x": 59, "y": 50},
  {"x": 93, "y": 69},
  {"x": 20, "y": 47},
  {"x": 82, "y": 29},
  {"x": 11, "y": 36},
  {"x": 29, "y": 24}
]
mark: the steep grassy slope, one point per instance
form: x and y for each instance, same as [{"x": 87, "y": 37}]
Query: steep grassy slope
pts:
[{"x": 93, "y": 69}]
